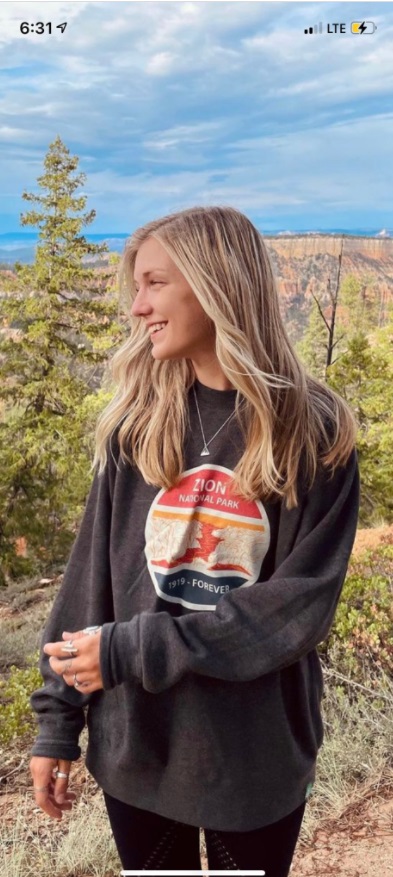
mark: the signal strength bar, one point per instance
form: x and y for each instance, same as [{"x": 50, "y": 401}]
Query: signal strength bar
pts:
[{"x": 316, "y": 29}]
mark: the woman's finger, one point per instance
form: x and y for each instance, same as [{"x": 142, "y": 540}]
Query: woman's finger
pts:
[
  {"x": 82, "y": 668},
  {"x": 69, "y": 670},
  {"x": 88, "y": 686},
  {"x": 63, "y": 667},
  {"x": 90, "y": 630},
  {"x": 64, "y": 650},
  {"x": 44, "y": 799},
  {"x": 81, "y": 681},
  {"x": 44, "y": 772},
  {"x": 61, "y": 793}
]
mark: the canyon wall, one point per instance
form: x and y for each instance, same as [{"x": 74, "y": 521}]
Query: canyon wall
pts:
[{"x": 307, "y": 263}]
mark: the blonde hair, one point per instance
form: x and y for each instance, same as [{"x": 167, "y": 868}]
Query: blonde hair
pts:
[{"x": 286, "y": 414}]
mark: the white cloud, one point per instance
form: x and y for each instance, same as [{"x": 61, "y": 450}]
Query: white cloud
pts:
[
  {"x": 7, "y": 133},
  {"x": 161, "y": 96},
  {"x": 181, "y": 134},
  {"x": 161, "y": 64}
]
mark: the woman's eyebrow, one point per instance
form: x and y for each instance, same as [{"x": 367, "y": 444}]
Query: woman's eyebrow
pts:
[{"x": 146, "y": 273}]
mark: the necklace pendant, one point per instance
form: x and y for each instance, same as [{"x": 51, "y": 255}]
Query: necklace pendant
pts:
[{"x": 205, "y": 452}]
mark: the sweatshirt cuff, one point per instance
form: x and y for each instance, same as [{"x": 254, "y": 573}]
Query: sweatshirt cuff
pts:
[
  {"x": 65, "y": 751},
  {"x": 119, "y": 653}
]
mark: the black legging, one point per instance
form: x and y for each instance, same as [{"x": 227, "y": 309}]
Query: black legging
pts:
[{"x": 150, "y": 842}]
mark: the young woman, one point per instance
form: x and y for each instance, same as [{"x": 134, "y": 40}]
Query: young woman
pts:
[{"x": 208, "y": 563}]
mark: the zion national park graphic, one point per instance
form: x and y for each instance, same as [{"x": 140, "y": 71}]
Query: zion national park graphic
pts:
[{"x": 203, "y": 541}]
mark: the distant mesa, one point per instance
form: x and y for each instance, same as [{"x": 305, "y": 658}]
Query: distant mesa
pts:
[{"x": 20, "y": 246}]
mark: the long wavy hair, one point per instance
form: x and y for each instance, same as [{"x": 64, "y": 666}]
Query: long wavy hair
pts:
[{"x": 286, "y": 415}]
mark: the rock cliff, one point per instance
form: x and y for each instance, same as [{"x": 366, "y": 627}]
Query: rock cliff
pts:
[{"x": 306, "y": 263}]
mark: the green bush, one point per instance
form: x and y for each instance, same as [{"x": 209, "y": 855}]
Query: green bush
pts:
[
  {"x": 362, "y": 634},
  {"x": 16, "y": 715}
]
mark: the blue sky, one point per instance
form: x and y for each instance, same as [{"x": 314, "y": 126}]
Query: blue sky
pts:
[{"x": 170, "y": 104}]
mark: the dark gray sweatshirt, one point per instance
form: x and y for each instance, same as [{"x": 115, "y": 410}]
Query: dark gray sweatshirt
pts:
[{"x": 212, "y": 607}]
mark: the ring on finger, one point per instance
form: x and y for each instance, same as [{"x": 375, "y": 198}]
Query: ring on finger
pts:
[
  {"x": 90, "y": 631},
  {"x": 76, "y": 683},
  {"x": 62, "y": 775},
  {"x": 69, "y": 647}
]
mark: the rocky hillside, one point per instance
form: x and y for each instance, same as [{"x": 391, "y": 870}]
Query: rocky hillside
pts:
[{"x": 305, "y": 263}]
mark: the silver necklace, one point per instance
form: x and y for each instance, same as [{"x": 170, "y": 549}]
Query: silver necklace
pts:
[{"x": 205, "y": 451}]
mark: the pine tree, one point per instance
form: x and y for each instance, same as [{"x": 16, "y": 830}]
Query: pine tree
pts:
[
  {"x": 363, "y": 376},
  {"x": 312, "y": 349},
  {"x": 359, "y": 307},
  {"x": 59, "y": 324}
]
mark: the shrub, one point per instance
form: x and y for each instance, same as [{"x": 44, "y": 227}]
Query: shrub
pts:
[
  {"x": 16, "y": 718},
  {"x": 362, "y": 633}
]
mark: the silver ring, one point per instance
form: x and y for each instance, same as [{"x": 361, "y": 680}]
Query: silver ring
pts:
[
  {"x": 69, "y": 648},
  {"x": 61, "y": 774},
  {"x": 76, "y": 683},
  {"x": 90, "y": 631}
]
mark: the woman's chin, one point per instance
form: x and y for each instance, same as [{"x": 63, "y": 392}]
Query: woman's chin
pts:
[
  {"x": 165, "y": 351},
  {"x": 161, "y": 354}
]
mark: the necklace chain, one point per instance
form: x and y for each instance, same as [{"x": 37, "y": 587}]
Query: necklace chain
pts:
[{"x": 205, "y": 450}]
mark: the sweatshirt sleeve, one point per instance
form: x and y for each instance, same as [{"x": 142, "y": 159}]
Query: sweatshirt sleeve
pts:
[
  {"x": 84, "y": 598},
  {"x": 257, "y": 629}
]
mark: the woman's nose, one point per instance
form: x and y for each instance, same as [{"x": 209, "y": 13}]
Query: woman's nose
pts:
[{"x": 139, "y": 303}]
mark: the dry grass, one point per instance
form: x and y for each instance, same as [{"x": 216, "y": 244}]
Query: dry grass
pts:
[
  {"x": 356, "y": 758},
  {"x": 32, "y": 844}
]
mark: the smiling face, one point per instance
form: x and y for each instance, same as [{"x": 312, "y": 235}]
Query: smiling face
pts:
[{"x": 163, "y": 295}]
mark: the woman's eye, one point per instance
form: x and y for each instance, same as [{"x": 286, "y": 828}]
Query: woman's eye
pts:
[{"x": 152, "y": 283}]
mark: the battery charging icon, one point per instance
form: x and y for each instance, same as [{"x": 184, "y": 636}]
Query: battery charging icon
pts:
[{"x": 362, "y": 27}]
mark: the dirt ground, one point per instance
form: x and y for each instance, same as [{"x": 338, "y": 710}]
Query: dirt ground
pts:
[{"x": 359, "y": 843}]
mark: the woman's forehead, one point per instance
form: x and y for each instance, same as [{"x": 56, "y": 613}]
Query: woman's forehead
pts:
[{"x": 152, "y": 256}]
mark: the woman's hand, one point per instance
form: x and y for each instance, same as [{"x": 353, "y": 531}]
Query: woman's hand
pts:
[
  {"x": 77, "y": 658},
  {"x": 50, "y": 789}
]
